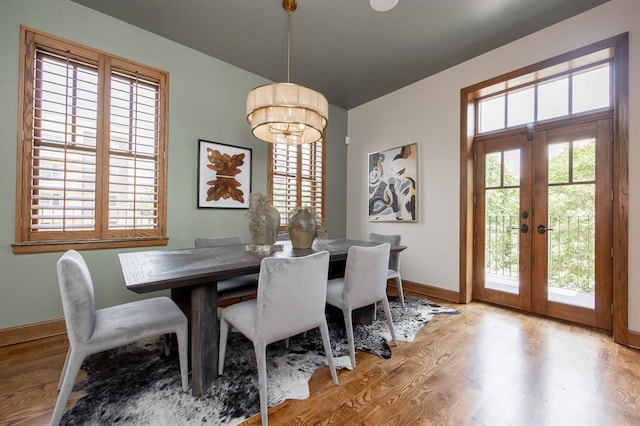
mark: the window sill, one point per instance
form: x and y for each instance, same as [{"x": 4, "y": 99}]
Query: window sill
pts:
[{"x": 60, "y": 246}]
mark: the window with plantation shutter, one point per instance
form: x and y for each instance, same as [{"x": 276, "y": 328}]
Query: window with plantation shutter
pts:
[
  {"x": 91, "y": 146},
  {"x": 296, "y": 179},
  {"x": 133, "y": 154}
]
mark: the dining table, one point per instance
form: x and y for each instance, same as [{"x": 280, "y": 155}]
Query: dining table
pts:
[{"x": 191, "y": 275}]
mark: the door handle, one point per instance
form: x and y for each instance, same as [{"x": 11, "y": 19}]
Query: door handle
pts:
[
  {"x": 524, "y": 228},
  {"x": 542, "y": 229}
]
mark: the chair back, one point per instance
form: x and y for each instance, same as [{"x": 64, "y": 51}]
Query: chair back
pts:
[
  {"x": 365, "y": 275},
  {"x": 292, "y": 294},
  {"x": 202, "y": 242},
  {"x": 394, "y": 240},
  {"x": 78, "y": 299}
]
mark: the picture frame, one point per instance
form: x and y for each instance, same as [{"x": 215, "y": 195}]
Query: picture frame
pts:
[
  {"x": 393, "y": 181},
  {"x": 224, "y": 175}
]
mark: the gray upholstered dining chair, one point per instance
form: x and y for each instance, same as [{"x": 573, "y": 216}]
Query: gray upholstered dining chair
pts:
[
  {"x": 364, "y": 283},
  {"x": 92, "y": 330},
  {"x": 291, "y": 300},
  {"x": 232, "y": 288},
  {"x": 393, "y": 273}
]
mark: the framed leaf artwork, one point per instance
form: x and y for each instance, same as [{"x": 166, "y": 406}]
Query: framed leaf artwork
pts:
[
  {"x": 224, "y": 175},
  {"x": 393, "y": 179}
]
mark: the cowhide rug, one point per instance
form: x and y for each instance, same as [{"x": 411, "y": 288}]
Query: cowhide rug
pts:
[{"x": 138, "y": 385}]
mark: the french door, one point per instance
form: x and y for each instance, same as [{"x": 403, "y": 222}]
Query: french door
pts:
[{"x": 543, "y": 222}]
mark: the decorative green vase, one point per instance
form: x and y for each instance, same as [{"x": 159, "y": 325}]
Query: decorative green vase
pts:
[{"x": 302, "y": 228}]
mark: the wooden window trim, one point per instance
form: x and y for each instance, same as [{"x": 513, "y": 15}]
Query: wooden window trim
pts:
[{"x": 101, "y": 237}]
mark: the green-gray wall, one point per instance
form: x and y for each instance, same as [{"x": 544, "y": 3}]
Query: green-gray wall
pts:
[{"x": 207, "y": 100}]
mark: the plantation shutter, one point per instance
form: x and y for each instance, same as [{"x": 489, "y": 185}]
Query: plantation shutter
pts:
[
  {"x": 312, "y": 178},
  {"x": 63, "y": 160},
  {"x": 297, "y": 178},
  {"x": 133, "y": 154}
]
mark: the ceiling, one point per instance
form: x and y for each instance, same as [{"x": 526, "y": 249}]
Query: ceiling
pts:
[{"x": 343, "y": 48}]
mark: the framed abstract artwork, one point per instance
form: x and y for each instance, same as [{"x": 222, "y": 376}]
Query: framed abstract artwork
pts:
[
  {"x": 393, "y": 179},
  {"x": 224, "y": 175}
]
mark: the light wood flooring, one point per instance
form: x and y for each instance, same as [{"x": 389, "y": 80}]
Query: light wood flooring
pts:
[{"x": 487, "y": 366}]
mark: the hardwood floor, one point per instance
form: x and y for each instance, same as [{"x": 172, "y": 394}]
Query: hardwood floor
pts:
[{"x": 487, "y": 366}]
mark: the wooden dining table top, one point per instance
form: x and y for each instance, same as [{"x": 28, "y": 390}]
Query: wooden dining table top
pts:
[{"x": 154, "y": 270}]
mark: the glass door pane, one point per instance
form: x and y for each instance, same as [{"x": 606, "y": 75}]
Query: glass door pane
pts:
[
  {"x": 571, "y": 223},
  {"x": 502, "y": 221}
]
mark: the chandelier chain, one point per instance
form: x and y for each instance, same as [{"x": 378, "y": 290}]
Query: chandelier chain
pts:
[{"x": 289, "y": 48}]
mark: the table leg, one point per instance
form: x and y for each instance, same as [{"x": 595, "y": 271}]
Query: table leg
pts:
[
  {"x": 204, "y": 337},
  {"x": 363, "y": 315}
]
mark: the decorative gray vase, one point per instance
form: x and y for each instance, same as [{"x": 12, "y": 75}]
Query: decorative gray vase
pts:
[
  {"x": 264, "y": 220},
  {"x": 302, "y": 228}
]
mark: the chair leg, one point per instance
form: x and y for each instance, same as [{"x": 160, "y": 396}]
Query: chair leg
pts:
[
  {"x": 324, "y": 332},
  {"x": 400, "y": 292},
  {"x": 387, "y": 312},
  {"x": 167, "y": 344},
  {"x": 183, "y": 351},
  {"x": 64, "y": 368},
  {"x": 286, "y": 341},
  {"x": 71, "y": 369},
  {"x": 224, "y": 331},
  {"x": 261, "y": 359},
  {"x": 348, "y": 325}
]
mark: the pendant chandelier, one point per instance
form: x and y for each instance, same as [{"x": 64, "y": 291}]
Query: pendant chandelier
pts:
[
  {"x": 286, "y": 112},
  {"x": 383, "y": 5}
]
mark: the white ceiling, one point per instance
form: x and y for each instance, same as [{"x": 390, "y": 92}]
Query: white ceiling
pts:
[{"x": 343, "y": 48}]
